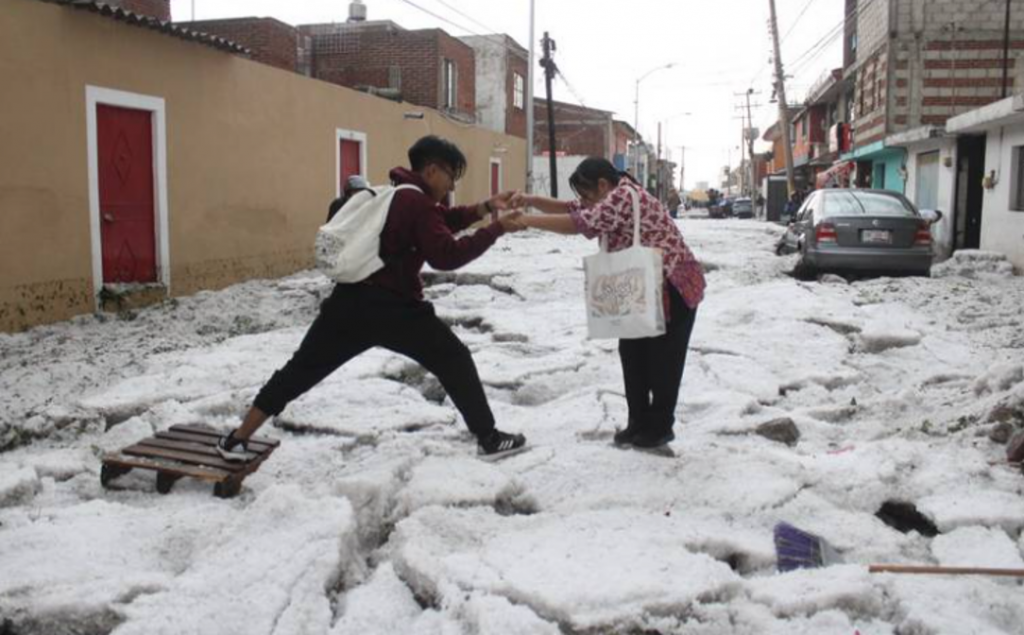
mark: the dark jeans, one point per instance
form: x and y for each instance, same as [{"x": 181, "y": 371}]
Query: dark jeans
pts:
[
  {"x": 357, "y": 317},
  {"x": 652, "y": 369}
]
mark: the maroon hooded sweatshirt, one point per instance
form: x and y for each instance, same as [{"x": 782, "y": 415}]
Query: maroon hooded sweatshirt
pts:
[{"x": 418, "y": 231}]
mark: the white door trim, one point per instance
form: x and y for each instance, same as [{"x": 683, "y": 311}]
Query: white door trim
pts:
[
  {"x": 349, "y": 135},
  {"x": 94, "y": 96}
]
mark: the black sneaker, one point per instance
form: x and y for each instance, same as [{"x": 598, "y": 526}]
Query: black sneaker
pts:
[
  {"x": 497, "y": 444},
  {"x": 232, "y": 449},
  {"x": 652, "y": 441},
  {"x": 624, "y": 436}
]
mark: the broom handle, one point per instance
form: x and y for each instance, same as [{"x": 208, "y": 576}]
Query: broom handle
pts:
[{"x": 903, "y": 568}]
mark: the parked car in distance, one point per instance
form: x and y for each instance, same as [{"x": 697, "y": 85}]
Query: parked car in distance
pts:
[
  {"x": 743, "y": 208},
  {"x": 851, "y": 230},
  {"x": 721, "y": 209}
]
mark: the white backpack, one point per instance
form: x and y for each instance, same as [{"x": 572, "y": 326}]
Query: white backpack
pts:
[{"x": 348, "y": 246}]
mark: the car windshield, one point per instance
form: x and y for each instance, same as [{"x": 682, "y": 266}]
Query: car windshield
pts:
[
  {"x": 742, "y": 204},
  {"x": 864, "y": 204}
]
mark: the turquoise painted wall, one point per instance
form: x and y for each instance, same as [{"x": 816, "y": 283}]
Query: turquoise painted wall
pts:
[{"x": 890, "y": 163}]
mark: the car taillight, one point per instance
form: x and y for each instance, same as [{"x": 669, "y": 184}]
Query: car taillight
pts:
[
  {"x": 923, "y": 237},
  {"x": 826, "y": 233}
]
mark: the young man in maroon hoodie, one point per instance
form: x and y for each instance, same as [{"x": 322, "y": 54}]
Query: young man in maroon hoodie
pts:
[{"x": 387, "y": 309}]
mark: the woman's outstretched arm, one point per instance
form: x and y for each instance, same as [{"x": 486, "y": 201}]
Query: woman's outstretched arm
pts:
[
  {"x": 552, "y": 222},
  {"x": 542, "y": 203}
]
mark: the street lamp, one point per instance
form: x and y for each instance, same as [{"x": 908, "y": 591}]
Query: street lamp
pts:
[{"x": 636, "y": 116}]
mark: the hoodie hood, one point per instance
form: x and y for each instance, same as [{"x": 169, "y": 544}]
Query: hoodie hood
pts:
[{"x": 405, "y": 176}]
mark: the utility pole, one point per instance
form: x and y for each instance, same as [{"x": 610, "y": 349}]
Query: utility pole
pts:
[
  {"x": 682, "y": 168},
  {"x": 780, "y": 94},
  {"x": 529, "y": 104},
  {"x": 549, "y": 73},
  {"x": 750, "y": 146}
]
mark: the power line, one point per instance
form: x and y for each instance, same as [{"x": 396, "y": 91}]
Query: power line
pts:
[
  {"x": 454, "y": 24},
  {"x": 468, "y": 17},
  {"x": 798, "y": 18}
]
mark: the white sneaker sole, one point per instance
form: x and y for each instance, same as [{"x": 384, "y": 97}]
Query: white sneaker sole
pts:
[{"x": 497, "y": 456}]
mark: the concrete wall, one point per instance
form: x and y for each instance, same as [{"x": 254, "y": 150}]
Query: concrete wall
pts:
[
  {"x": 1002, "y": 229},
  {"x": 491, "y": 82},
  {"x": 251, "y": 156},
  {"x": 945, "y": 194},
  {"x": 542, "y": 175}
]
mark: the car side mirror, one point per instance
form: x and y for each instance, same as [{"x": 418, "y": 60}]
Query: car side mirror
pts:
[{"x": 932, "y": 216}]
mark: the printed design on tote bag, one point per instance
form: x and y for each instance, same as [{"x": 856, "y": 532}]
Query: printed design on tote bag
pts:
[{"x": 618, "y": 294}]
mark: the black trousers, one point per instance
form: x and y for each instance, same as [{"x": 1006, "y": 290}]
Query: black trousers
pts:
[
  {"x": 357, "y": 317},
  {"x": 652, "y": 369}
]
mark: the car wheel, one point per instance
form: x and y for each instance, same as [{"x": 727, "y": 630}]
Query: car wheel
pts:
[{"x": 804, "y": 271}]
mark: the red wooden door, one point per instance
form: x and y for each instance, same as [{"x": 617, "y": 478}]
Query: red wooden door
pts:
[
  {"x": 127, "y": 209},
  {"x": 495, "y": 178},
  {"x": 349, "y": 151}
]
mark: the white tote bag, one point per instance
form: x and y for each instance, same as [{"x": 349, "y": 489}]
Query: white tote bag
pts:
[
  {"x": 348, "y": 247},
  {"x": 624, "y": 289}
]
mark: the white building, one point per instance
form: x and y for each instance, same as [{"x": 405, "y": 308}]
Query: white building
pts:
[
  {"x": 931, "y": 180},
  {"x": 1000, "y": 128}
]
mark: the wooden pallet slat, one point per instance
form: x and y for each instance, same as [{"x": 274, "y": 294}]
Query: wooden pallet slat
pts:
[
  {"x": 187, "y": 451},
  {"x": 186, "y": 446},
  {"x": 210, "y": 432},
  {"x": 189, "y": 458},
  {"x": 211, "y": 474},
  {"x": 176, "y": 435}
]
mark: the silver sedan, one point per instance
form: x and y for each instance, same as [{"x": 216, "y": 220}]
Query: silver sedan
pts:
[{"x": 867, "y": 231}]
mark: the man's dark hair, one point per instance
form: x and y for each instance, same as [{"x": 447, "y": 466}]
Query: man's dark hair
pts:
[{"x": 432, "y": 149}]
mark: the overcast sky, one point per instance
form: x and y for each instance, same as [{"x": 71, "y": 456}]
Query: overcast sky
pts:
[{"x": 721, "y": 47}]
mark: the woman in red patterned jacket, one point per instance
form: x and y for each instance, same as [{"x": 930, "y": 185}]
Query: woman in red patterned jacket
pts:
[{"x": 652, "y": 367}]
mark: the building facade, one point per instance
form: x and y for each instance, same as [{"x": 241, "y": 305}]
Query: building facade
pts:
[
  {"x": 916, "y": 63},
  {"x": 174, "y": 164},
  {"x": 502, "y": 67},
  {"x": 425, "y": 67}
]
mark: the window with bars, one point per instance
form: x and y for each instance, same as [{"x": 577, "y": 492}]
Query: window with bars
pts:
[{"x": 519, "y": 92}]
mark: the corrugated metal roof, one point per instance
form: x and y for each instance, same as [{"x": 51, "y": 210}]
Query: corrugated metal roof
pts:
[{"x": 168, "y": 28}]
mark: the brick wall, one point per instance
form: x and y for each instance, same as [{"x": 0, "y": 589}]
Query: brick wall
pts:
[
  {"x": 375, "y": 55},
  {"x": 515, "y": 121},
  {"x": 920, "y": 62},
  {"x": 160, "y": 9},
  {"x": 578, "y": 131},
  {"x": 271, "y": 42},
  {"x": 465, "y": 61}
]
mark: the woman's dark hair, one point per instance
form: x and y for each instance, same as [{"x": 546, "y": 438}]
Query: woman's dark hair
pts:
[
  {"x": 592, "y": 169},
  {"x": 433, "y": 149}
]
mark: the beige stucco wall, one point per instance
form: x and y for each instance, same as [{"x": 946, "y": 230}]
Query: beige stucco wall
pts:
[{"x": 251, "y": 158}]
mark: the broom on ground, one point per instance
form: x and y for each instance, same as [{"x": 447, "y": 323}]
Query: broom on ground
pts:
[{"x": 798, "y": 549}]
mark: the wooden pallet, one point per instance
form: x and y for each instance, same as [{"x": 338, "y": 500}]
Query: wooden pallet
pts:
[{"x": 187, "y": 450}]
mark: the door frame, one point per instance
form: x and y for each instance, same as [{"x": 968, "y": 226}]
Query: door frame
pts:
[
  {"x": 341, "y": 134},
  {"x": 94, "y": 96},
  {"x": 501, "y": 174}
]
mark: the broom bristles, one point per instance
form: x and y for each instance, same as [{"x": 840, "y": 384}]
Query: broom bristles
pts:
[{"x": 798, "y": 549}]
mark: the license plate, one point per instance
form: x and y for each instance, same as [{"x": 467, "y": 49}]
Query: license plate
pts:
[{"x": 876, "y": 236}]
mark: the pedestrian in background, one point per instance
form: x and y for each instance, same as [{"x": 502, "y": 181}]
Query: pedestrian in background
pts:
[{"x": 353, "y": 185}]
